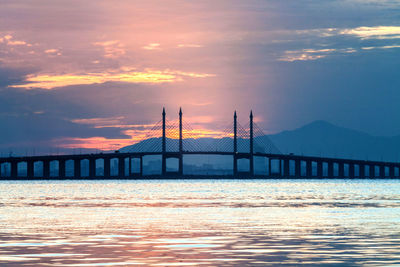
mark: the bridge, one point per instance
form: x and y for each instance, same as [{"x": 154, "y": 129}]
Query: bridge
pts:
[{"x": 176, "y": 141}]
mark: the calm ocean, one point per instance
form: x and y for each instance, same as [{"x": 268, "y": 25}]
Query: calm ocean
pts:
[{"x": 200, "y": 222}]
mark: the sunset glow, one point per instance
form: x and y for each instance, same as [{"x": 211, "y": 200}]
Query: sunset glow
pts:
[
  {"x": 199, "y": 133},
  {"x": 102, "y": 72},
  {"x": 105, "y": 144},
  {"x": 148, "y": 76}
]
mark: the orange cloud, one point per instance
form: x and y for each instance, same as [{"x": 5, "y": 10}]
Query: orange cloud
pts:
[
  {"x": 100, "y": 143},
  {"x": 53, "y": 52},
  {"x": 152, "y": 46},
  {"x": 16, "y": 43},
  {"x": 112, "y": 49},
  {"x": 100, "y": 121},
  {"x": 50, "y": 81},
  {"x": 136, "y": 135},
  {"x": 9, "y": 39},
  {"x": 189, "y": 46}
]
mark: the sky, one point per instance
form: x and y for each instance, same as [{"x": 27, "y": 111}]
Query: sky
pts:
[{"x": 96, "y": 74}]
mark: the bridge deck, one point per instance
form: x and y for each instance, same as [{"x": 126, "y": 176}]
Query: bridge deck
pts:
[
  {"x": 323, "y": 166},
  {"x": 177, "y": 154}
]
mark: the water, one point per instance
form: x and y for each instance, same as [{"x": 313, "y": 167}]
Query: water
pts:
[{"x": 206, "y": 223}]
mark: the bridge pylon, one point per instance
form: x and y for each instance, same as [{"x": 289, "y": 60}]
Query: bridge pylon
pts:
[
  {"x": 251, "y": 145},
  {"x": 235, "y": 167},
  {"x": 166, "y": 154},
  {"x": 164, "y": 146},
  {"x": 180, "y": 144}
]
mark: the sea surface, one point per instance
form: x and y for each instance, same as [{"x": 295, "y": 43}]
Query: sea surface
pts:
[{"x": 200, "y": 223}]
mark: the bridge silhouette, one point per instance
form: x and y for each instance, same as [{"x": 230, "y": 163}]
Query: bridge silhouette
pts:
[{"x": 177, "y": 140}]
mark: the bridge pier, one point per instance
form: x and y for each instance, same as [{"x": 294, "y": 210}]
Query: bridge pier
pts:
[
  {"x": 382, "y": 173},
  {"x": 269, "y": 166},
  {"x": 163, "y": 165},
  {"x": 14, "y": 169},
  {"x": 297, "y": 168},
  {"x": 106, "y": 166},
  {"x": 362, "y": 171},
  {"x": 351, "y": 170},
  {"x": 30, "y": 169},
  {"x": 372, "y": 171},
  {"x": 341, "y": 169},
  {"x": 286, "y": 171},
  {"x": 309, "y": 168},
  {"x": 251, "y": 163},
  {"x": 320, "y": 172},
  {"x": 77, "y": 168},
  {"x": 330, "y": 169},
  {"x": 61, "y": 168},
  {"x": 391, "y": 171},
  {"x": 235, "y": 166},
  {"x": 46, "y": 169},
  {"x": 180, "y": 167},
  {"x": 121, "y": 167},
  {"x": 92, "y": 168},
  {"x": 129, "y": 166},
  {"x": 2, "y": 172}
]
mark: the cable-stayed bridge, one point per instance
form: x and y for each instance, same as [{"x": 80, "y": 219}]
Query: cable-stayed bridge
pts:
[{"x": 177, "y": 141}]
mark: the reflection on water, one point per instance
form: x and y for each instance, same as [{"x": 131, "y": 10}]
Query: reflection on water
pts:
[{"x": 207, "y": 222}]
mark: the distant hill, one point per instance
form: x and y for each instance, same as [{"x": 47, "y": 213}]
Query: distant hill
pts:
[
  {"x": 323, "y": 138},
  {"x": 319, "y": 138}
]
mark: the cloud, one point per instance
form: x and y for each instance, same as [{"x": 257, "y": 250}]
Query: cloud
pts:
[
  {"x": 305, "y": 54},
  {"x": 112, "y": 49},
  {"x": 9, "y": 40},
  {"x": 152, "y": 46},
  {"x": 380, "y": 47},
  {"x": 98, "y": 142},
  {"x": 189, "y": 46},
  {"x": 53, "y": 52},
  {"x": 313, "y": 54},
  {"x": 111, "y": 122},
  {"x": 137, "y": 133},
  {"x": 244, "y": 43},
  {"x": 101, "y": 122},
  {"x": 377, "y": 32},
  {"x": 124, "y": 74},
  {"x": 300, "y": 57}
]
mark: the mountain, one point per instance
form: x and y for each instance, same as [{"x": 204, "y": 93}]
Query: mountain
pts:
[{"x": 319, "y": 138}]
